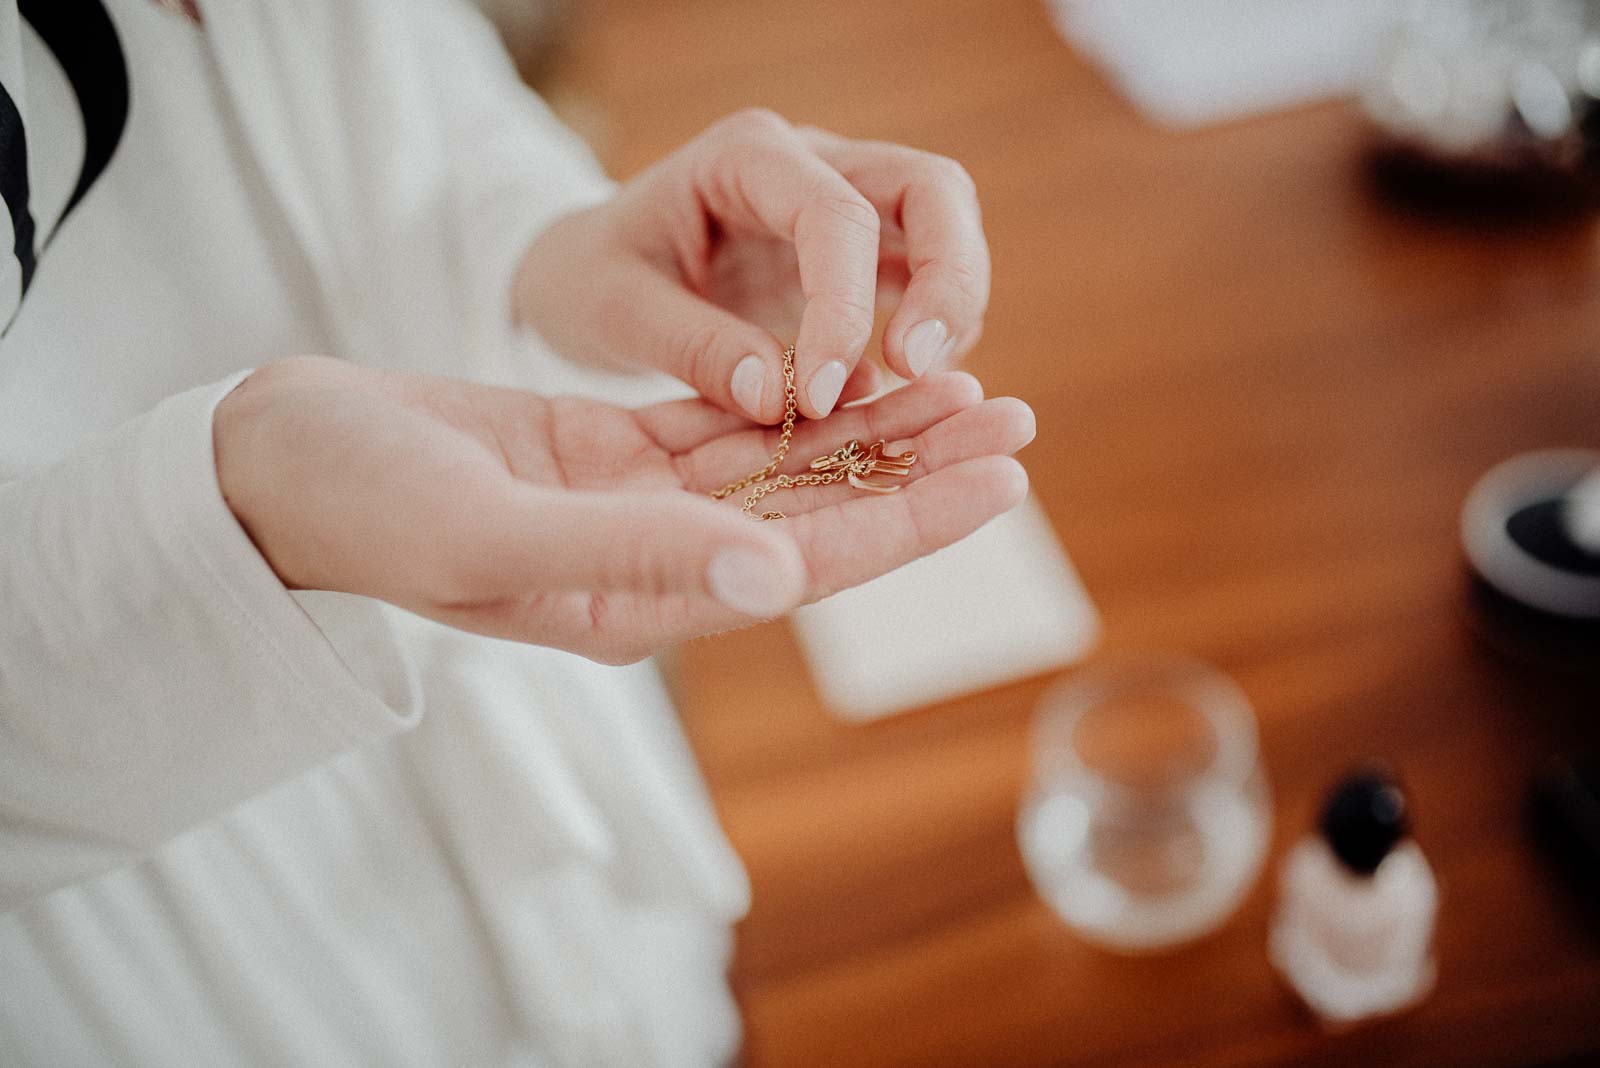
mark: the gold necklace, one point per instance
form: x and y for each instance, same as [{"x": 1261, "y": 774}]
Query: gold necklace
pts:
[{"x": 851, "y": 462}]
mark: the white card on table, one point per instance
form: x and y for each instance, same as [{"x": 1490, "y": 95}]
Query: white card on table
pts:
[{"x": 1000, "y": 606}]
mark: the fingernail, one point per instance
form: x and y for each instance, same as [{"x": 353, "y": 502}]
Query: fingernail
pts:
[
  {"x": 927, "y": 345},
  {"x": 825, "y": 386},
  {"x": 746, "y": 581},
  {"x": 749, "y": 378}
]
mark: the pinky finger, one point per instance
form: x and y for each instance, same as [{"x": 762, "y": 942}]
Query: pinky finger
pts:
[
  {"x": 843, "y": 545},
  {"x": 848, "y": 543}
]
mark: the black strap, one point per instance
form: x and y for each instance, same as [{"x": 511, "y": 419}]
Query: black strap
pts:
[
  {"x": 84, "y": 41},
  {"x": 14, "y": 184}
]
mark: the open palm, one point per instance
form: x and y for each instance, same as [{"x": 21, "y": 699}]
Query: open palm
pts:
[{"x": 582, "y": 525}]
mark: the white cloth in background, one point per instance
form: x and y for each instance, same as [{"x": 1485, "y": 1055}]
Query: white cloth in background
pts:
[
  {"x": 243, "y": 826},
  {"x": 1192, "y": 62}
]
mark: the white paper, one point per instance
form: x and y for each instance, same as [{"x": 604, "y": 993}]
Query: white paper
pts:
[{"x": 1000, "y": 606}]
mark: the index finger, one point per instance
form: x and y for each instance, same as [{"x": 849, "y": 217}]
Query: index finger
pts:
[
  {"x": 760, "y": 173},
  {"x": 934, "y": 201}
]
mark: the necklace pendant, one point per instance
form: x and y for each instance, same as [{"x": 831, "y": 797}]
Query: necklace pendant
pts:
[
  {"x": 845, "y": 458},
  {"x": 888, "y": 463},
  {"x": 860, "y": 462}
]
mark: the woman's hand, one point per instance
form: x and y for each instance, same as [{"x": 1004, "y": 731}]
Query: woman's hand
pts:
[
  {"x": 702, "y": 262},
  {"x": 580, "y": 525}
]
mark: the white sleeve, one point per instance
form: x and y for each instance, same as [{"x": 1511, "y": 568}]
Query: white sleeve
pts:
[
  {"x": 153, "y": 669},
  {"x": 410, "y": 161}
]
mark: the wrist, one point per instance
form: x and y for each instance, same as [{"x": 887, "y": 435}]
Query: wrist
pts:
[{"x": 243, "y": 439}]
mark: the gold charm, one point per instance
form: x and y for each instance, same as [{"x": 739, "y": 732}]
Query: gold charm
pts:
[
  {"x": 852, "y": 462},
  {"x": 858, "y": 462}
]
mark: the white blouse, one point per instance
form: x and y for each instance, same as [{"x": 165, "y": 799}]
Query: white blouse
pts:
[{"x": 240, "y": 825}]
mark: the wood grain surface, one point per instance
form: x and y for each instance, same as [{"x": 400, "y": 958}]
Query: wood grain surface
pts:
[{"x": 1262, "y": 394}]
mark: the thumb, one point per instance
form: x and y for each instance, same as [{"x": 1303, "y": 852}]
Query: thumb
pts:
[{"x": 650, "y": 543}]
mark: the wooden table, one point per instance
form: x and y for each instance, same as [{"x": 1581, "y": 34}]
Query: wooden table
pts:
[{"x": 1262, "y": 395}]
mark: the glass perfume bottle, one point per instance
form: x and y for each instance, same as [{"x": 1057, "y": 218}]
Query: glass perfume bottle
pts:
[{"x": 1353, "y": 933}]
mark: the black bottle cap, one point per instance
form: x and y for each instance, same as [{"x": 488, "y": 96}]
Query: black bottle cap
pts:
[{"x": 1363, "y": 819}]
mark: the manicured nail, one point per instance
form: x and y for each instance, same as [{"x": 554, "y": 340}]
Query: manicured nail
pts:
[
  {"x": 826, "y": 386},
  {"x": 748, "y": 382},
  {"x": 746, "y": 581},
  {"x": 927, "y": 345}
]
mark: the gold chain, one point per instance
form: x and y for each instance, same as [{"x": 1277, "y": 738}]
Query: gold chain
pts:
[
  {"x": 851, "y": 461},
  {"x": 790, "y": 414},
  {"x": 786, "y": 482}
]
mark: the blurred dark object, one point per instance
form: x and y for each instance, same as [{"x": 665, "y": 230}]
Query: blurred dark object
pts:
[
  {"x": 1365, "y": 816},
  {"x": 1489, "y": 111},
  {"x": 1527, "y": 530},
  {"x": 1566, "y": 647},
  {"x": 1566, "y": 811},
  {"x": 1530, "y": 529},
  {"x": 1480, "y": 191}
]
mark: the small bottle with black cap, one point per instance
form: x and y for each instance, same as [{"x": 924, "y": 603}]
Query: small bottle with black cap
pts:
[{"x": 1353, "y": 934}]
